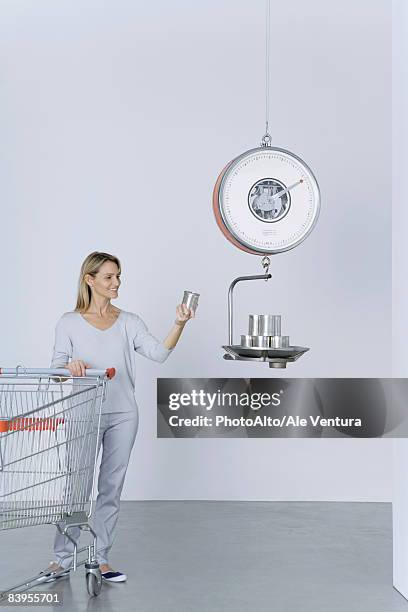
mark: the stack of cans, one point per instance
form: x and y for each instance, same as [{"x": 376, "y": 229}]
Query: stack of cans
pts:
[{"x": 264, "y": 332}]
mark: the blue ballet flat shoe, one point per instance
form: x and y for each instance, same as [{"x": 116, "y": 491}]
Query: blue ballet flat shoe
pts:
[{"x": 114, "y": 576}]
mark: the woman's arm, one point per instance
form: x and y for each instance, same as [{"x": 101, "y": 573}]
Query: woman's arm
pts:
[
  {"x": 149, "y": 346},
  {"x": 183, "y": 314},
  {"x": 62, "y": 352}
]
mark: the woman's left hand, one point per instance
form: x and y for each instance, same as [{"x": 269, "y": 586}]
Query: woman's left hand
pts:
[{"x": 183, "y": 314}]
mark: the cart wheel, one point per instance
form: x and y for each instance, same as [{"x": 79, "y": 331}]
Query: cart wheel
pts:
[{"x": 93, "y": 583}]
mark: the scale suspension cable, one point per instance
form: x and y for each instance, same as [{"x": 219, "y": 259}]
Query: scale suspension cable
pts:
[{"x": 267, "y": 138}]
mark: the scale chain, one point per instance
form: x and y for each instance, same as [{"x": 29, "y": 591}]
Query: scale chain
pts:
[{"x": 266, "y": 262}]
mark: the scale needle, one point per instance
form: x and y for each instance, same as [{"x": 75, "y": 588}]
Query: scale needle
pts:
[{"x": 283, "y": 191}]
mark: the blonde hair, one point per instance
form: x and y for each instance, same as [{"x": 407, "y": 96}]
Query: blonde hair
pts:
[{"x": 91, "y": 265}]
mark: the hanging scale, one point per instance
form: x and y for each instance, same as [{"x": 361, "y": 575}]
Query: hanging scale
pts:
[{"x": 265, "y": 201}]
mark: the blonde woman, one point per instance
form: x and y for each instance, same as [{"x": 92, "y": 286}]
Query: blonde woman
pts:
[{"x": 98, "y": 335}]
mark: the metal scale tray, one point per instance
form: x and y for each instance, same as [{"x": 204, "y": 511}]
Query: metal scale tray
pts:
[{"x": 276, "y": 357}]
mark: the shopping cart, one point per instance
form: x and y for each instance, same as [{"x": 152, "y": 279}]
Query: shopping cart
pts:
[{"x": 49, "y": 431}]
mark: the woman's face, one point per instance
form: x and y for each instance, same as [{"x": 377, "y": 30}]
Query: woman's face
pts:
[{"x": 106, "y": 282}]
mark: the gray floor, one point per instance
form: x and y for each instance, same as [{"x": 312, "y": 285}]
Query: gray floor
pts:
[{"x": 235, "y": 556}]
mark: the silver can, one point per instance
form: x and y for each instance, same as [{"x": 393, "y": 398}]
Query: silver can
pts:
[
  {"x": 260, "y": 341},
  {"x": 269, "y": 325},
  {"x": 190, "y": 299},
  {"x": 246, "y": 341},
  {"x": 276, "y": 342},
  {"x": 253, "y": 327},
  {"x": 279, "y": 341}
]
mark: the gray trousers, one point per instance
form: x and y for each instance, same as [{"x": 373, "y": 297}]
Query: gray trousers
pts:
[{"x": 117, "y": 435}]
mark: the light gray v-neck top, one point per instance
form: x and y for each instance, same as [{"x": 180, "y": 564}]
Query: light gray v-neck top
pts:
[{"x": 114, "y": 347}]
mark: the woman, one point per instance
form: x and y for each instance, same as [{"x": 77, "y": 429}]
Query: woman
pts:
[{"x": 98, "y": 335}]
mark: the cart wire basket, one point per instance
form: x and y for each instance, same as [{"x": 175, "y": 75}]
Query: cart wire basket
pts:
[{"x": 49, "y": 440}]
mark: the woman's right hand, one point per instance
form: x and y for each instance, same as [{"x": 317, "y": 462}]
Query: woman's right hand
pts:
[{"x": 77, "y": 367}]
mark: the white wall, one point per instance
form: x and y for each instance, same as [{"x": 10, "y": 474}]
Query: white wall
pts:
[
  {"x": 116, "y": 119},
  {"x": 400, "y": 290},
  {"x": 400, "y": 188}
]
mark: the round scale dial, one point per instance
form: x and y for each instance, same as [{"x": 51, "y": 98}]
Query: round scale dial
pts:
[{"x": 266, "y": 201}]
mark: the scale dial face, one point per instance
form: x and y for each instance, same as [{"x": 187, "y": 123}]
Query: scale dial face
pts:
[{"x": 266, "y": 201}]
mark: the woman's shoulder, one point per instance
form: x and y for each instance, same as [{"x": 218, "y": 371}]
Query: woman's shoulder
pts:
[
  {"x": 131, "y": 318},
  {"x": 68, "y": 317},
  {"x": 71, "y": 314}
]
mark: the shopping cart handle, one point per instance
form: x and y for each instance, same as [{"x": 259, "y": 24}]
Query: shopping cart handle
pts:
[{"x": 61, "y": 372}]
